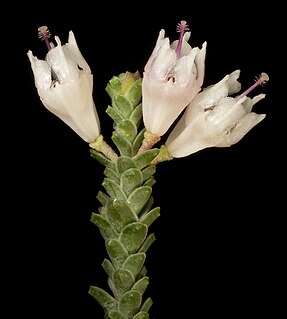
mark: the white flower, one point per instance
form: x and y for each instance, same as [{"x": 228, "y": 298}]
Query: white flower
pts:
[
  {"x": 172, "y": 77},
  {"x": 64, "y": 83},
  {"x": 214, "y": 119}
]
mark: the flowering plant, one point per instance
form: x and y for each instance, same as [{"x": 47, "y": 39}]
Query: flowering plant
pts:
[{"x": 168, "y": 99}]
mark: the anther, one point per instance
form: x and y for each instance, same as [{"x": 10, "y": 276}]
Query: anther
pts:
[
  {"x": 260, "y": 80},
  {"x": 44, "y": 34}
]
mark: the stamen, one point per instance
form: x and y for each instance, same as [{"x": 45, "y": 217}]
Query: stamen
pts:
[
  {"x": 261, "y": 80},
  {"x": 44, "y": 34},
  {"x": 182, "y": 27}
]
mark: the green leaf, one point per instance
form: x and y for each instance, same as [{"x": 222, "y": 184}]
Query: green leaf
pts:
[
  {"x": 147, "y": 206},
  {"x": 146, "y": 305},
  {"x": 151, "y": 216},
  {"x": 143, "y": 159},
  {"x": 101, "y": 158},
  {"x": 139, "y": 197},
  {"x": 130, "y": 303},
  {"x": 117, "y": 252},
  {"x": 147, "y": 243},
  {"x": 148, "y": 172},
  {"x": 127, "y": 129},
  {"x": 113, "y": 189},
  {"x": 105, "y": 227},
  {"x": 126, "y": 213},
  {"x": 138, "y": 141},
  {"x": 112, "y": 174},
  {"x": 115, "y": 314},
  {"x": 135, "y": 92},
  {"x": 124, "y": 163},
  {"x": 103, "y": 298},
  {"x": 102, "y": 198},
  {"x": 114, "y": 86},
  {"x": 141, "y": 315},
  {"x": 134, "y": 263},
  {"x": 123, "y": 145},
  {"x": 123, "y": 105},
  {"x": 130, "y": 180},
  {"x": 108, "y": 267},
  {"x": 114, "y": 114},
  {"x": 133, "y": 235},
  {"x": 141, "y": 285},
  {"x": 123, "y": 281},
  {"x": 150, "y": 182},
  {"x": 136, "y": 115},
  {"x": 120, "y": 214}
]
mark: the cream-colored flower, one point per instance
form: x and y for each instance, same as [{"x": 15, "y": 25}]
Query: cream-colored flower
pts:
[
  {"x": 172, "y": 77},
  {"x": 64, "y": 83},
  {"x": 214, "y": 119}
]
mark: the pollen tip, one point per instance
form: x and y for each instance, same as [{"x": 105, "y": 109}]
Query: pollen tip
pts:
[
  {"x": 182, "y": 26},
  {"x": 43, "y": 32},
  {"x": 263, "y": 78}
]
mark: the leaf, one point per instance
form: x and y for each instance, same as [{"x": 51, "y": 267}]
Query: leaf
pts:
[
  {"x": 150, "y": 182},
  {"x": 108, "y": 267},
  {"x": 143, "y": 159},
  {"x": 130, "y": 180},
  {"x": 136, "y": 115},
  {"x": 123, "y": 145},
  {"x": 141, "y": 315},
  {"x": 120, "y": 214},
  {"x": 146, "y": 305},
  {"x": 115, "y": 314},
  {"x": 117, "y": 252},
  {"x": 123, "y": 105},
  {"x": 133, "y": 235},
  {"x": 134, "y": 263},
  {"x": 113, "y": 189},
  {"x": 130, "y": 303},
  {"x": 102, "y": 198},
  {"x": 112, "y": 174},
  {"x": 124, "y": 163},
  {"x": 148, "y": 172},
  {"x": 126, "y": 213},
  {"x": 114, "y": 114},
  {"x": 141, "y": 285},
  {"x": 103, "y": 298},
  {"x": 138, "y": 141},
  {"x": 105, "y": 227},
  {"x": 101, "y": 158},
  {"x": 151, "y": 216},
  {"x": 127, "y": 129},
  {"x": 147, "y": 243},
  {"x": 135, "y": 92},
  {"x": 139, "y": 197},
  {"x": 114, "y": 86},
  {"x": 123, "y": 281}
]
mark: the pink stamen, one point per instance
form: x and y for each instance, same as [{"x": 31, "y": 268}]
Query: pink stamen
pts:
[
  {"x": 182, "y": 27},
  {"x": 44, "y": 34},
  {"x": 261, "y": 80}
]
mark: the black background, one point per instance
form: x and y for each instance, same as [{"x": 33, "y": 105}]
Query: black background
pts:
[{"x": 219, "y": 248}]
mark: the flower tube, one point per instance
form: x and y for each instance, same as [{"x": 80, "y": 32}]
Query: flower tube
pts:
[
  {"x": 214, "y": 119},
  {"x": 172, "y": 77},
  {"x": 65, "y": 83}
]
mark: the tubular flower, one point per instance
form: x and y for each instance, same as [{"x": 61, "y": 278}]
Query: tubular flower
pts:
[
  {"x": 172, "y": 77},
  {"x": 214, "y": 119},
  {"x": 64, "y": 83}
]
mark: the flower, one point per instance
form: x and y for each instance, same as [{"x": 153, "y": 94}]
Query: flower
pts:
[
  {"x": 172, "y": 77},
  {"x": 214, "y": 119},
  {"x": 64, "y": 83}
]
